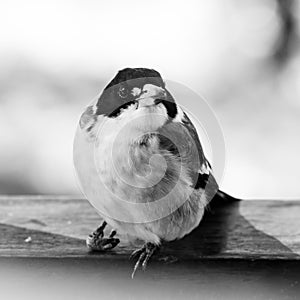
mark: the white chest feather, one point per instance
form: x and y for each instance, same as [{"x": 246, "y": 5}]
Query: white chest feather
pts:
[{"x": 139, "y": 189}]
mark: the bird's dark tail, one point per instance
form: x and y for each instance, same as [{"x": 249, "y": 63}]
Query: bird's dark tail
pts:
[{"x": 221, "y": 199}]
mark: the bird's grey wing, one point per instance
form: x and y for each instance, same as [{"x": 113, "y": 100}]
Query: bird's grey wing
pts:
[
  {"x": 220, "y": 198},
  {"x": 203, "y": 179},
  {"x": 193, "y": 133},
  {"x": 181, "y": 139}
]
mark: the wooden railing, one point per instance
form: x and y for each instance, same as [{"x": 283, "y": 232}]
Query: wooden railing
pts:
[
  {"x": 57, "y": 226},
  {"x": 241, "y": 244}
]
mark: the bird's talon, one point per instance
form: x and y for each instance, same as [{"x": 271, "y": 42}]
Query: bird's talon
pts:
[
  {"x": 135, "y": 253},
  {"x": 144, "y": 267},
  {"x": 112, "y": 234},
  {"x": 145, "y": 253}
]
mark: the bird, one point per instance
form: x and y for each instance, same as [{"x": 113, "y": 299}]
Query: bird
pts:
[{"x": 140, "y": 163}]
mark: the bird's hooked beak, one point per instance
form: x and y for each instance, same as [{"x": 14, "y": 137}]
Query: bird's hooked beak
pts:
[{"x": 151, "y": 95}]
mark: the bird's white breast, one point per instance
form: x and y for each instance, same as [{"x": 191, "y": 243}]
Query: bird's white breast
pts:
[{"x": 123, "y": 180}]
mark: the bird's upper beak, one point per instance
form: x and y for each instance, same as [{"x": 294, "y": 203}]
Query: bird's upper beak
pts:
[{"x": 151, "y": 95}]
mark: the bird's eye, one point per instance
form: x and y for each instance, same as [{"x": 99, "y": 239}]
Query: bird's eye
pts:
[{"x": 123, "y": 92}]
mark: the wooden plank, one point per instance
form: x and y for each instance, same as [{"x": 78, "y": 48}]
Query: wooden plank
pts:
[{"x": 58, "y": 226}]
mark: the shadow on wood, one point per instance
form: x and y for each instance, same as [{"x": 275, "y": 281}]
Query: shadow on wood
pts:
[{"x": 225, "y": 233}]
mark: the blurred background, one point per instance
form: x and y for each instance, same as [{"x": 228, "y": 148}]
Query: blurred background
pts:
[{"x": 242, "y": 55}]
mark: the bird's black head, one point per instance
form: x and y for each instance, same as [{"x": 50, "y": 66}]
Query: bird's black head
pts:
[{"x": 131, "y": 86}]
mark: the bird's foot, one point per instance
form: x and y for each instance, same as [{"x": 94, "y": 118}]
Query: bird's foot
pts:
[
  {"x": 144, "y": 254},
  {"x": 97, "y": 242}
]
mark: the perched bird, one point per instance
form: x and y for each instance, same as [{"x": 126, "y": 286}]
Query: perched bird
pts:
[{"x": 140, "y": 163}]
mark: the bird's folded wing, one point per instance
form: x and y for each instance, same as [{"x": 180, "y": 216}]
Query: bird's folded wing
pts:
[{"x": 181, "y": 139}]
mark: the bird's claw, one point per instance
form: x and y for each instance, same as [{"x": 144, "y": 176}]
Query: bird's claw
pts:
[
  {"x": 144, "y": 254},
  {"x": 97, "y": 242}
]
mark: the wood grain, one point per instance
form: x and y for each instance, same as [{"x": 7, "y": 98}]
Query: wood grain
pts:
[{"x": 58, "y": 226}]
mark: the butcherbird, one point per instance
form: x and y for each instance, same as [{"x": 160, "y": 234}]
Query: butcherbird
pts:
[{"x": 140, "y": 163}]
